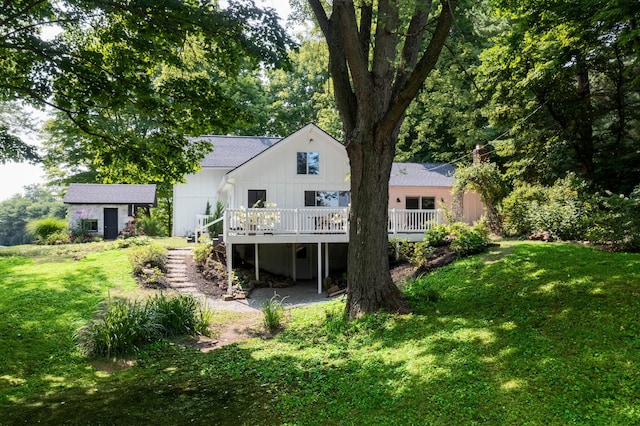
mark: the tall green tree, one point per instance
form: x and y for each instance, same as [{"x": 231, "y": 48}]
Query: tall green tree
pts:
[
  {"x": 36, "y": 203},
  {"x": 564, "y": 79},
  {"x": 126, "y": 75},
  {"x": 445, "y": 120},
  {"x": 380, "y": 54}
]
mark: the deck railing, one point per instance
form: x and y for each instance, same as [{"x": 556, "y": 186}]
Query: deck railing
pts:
[{"x": 269, "y": 221}]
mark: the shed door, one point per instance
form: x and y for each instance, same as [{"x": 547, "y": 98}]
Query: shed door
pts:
[{"x": 110, "y": 223}]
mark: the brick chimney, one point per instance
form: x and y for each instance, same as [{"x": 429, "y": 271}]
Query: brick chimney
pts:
[{"x": 480, "y": 155}]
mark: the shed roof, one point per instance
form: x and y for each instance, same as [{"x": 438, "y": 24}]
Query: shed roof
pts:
[
  {"x": 231, "y": 151},
  {"x": 422, "y": 174},
  {"x": 93, "y": 193}
]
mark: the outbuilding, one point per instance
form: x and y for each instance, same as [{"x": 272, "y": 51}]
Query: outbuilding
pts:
[{"x": 106, "y": 208}]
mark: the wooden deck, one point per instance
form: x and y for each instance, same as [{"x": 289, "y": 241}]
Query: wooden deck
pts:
[{"x": 310, "y": 225}]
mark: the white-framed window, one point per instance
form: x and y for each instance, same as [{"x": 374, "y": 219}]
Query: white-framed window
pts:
[
  {"x": 327, "y": 198},
  {"x": 308, "y": 163}
]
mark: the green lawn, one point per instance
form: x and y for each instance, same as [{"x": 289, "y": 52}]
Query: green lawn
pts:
[{"x": 527, "y": 334}]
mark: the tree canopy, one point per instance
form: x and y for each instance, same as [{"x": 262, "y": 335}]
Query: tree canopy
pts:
[
  {"x": 131, "y": 79},
  {"x": 572, "y": 69}
]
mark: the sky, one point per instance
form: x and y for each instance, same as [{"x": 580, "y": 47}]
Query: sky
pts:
[{"x": 15, "y": 176}]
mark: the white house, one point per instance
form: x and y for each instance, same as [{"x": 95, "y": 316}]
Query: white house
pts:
[
  {"x": 286, "y": 200},
  {"x": 106, "y": 208}
]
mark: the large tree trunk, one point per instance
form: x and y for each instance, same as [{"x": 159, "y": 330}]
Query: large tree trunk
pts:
[
  {"x": 376, "y": 70},
  {"x": 370, "y": 286}
]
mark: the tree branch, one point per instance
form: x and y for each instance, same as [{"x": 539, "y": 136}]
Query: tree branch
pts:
[
  {"x": 356, "y": 60},
  {"x": 405, "y": 93}
]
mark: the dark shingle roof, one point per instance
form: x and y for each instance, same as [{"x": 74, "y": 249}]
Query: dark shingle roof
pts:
[
  {"x": 92, "y": 193},
  {"x": 421, "y": 174},
  {"x": 231, "y": 151}
]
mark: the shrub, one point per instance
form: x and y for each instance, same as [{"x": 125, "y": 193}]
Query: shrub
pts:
[
  {"x": 481, "y": 227},
  {"x": 131, "y": 242},
  {"x": 273, "y": 312},
  {"x": 60, "y": 237},
  {"x": 201, "y": 253},
  {"x": 126, "y": 325},
  {"x": 149, "y": 256},
  {"x": 79, "y": 235},
  {"x": 153, "y": 226},
  {"x": 468, "y": 243},
  {"x": 436, "y": 236},
  {"x": 43, "y": 228},
  {"x": 559, "y": 209},
  {"x": 133, "y": 228},
  {"x": 616, "y": 222},
  {"x": 408, "y": 251}
]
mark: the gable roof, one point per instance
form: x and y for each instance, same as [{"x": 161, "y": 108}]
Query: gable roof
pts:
[
  {"x": 422, "y": 174},
  {"x": 307, "y": 130},
  {"x": 93, "y": 193},
  {"x": 231, "y": 151}
]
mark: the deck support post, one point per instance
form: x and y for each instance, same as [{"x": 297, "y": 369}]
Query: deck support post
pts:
[
  {"x": 293, "y": 261},
  {"x": 229, "y": 268},
  {"x": 326, "y": 259},
  {"x": 257, "y": 261},
  {"x": 319, "y": 268}
]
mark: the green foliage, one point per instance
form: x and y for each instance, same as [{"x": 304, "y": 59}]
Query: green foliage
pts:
[
  {"x": 133, "y": 228},
  {"x": 468, "y": 243},
  {"x": 413, "y": 252},
  {"x": 486, "y": 179},
  {"x": 180, "y": 315},
  {"x": 215, "y": 229},
  {"x": 15, "y": 212},
  {"x": 615, "y": 221},
  {"x": 153, "y": 226},
  {"x": 59, "y": 237},
  {"x": 201, "y": 253},
  {"x": 273, "y": 311},
  {"x": 126, "y": 325},
  {"x": 562, "y": 79},
  {"x": 121, "y": 243},
  {"x": 560, "y": 209},
  {"x": 148, "y": 256},
  {"x": 43, "y": 228},
  {"x": 436, "y": 235},
  {"x": 129, "y": 89}
]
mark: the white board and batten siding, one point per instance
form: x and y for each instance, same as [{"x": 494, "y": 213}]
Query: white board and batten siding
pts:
[
  {"x": 275, "y": 170},
  {"x": 190, "y": 198}
]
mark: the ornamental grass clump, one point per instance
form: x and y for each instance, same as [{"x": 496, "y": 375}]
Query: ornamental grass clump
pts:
[
  {"x": 180, "y": 315},
  {"x": 43, "y": 228},
  {"x": 124, "y": 326},
  {"x": 127, "y": 325},
  {"x": 273, "y": 311}
]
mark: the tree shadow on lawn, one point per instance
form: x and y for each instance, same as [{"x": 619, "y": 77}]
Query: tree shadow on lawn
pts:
[
  {"x": 172, "y": 385},
  {"x": 515, "y": 342},
  {"x": 553, "y": 329}
]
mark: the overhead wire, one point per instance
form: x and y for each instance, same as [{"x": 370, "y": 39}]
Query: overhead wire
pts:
[{"x": 497, "y": 138}]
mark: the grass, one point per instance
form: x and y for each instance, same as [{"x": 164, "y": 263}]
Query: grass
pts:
[{"x": 527, "y": 334}]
